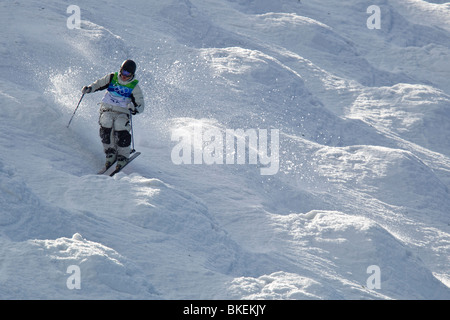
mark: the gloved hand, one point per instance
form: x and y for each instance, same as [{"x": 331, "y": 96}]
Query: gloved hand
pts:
[
  {"x": 86, "y": 89},
  {"x": 132, "y": 108}
]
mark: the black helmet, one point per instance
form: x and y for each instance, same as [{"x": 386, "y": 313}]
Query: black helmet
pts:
[{"x": 128, "y": 65}]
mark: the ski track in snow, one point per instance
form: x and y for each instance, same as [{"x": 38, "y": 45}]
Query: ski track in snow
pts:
[{"x": 364, "y": 172}]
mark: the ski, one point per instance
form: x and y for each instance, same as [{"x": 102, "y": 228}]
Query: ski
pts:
[
  {"x": 105, "y": 168},
  {"x": 134, "y": 156}
]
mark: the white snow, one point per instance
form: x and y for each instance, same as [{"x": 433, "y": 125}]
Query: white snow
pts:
[{"x": 364, "y": 151}]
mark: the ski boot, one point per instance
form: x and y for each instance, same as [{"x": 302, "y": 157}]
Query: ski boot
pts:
[
  {"x": 121, "y": 161},
  {"x": 110, "y": 159}
]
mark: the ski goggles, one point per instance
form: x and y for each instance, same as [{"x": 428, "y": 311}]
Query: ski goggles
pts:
[{"x": 125, "y": 73}]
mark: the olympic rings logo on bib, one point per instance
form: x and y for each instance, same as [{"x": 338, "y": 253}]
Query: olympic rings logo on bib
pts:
[{"x": 123, "y": 91}]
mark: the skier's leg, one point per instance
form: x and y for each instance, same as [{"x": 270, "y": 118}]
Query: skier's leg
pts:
[
  {"x": 106, "y": 134},
  {"x": 123, "y": 138}
]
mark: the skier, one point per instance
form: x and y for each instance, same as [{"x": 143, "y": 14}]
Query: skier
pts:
[{"x": 122, "y": 99}]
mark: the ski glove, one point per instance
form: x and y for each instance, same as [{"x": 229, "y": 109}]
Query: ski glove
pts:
[
  {"x": 86, "y": 89},
  {"x": 132, "y": 109}
]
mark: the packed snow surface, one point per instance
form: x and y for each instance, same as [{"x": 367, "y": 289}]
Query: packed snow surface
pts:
[{"x": 352, "y": 124}]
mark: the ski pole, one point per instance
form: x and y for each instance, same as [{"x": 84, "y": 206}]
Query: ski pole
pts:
[
  {"x": 75, "y": 110},
  {"x": 132, "y": 134}
]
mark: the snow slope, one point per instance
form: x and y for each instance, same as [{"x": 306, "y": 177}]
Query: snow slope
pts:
[{"x": 364, "y": 156}]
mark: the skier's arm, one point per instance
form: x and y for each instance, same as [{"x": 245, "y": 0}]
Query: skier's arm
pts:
[
  {"x": 138, "y": 100},
  {"x": 100, "y": 84}
]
